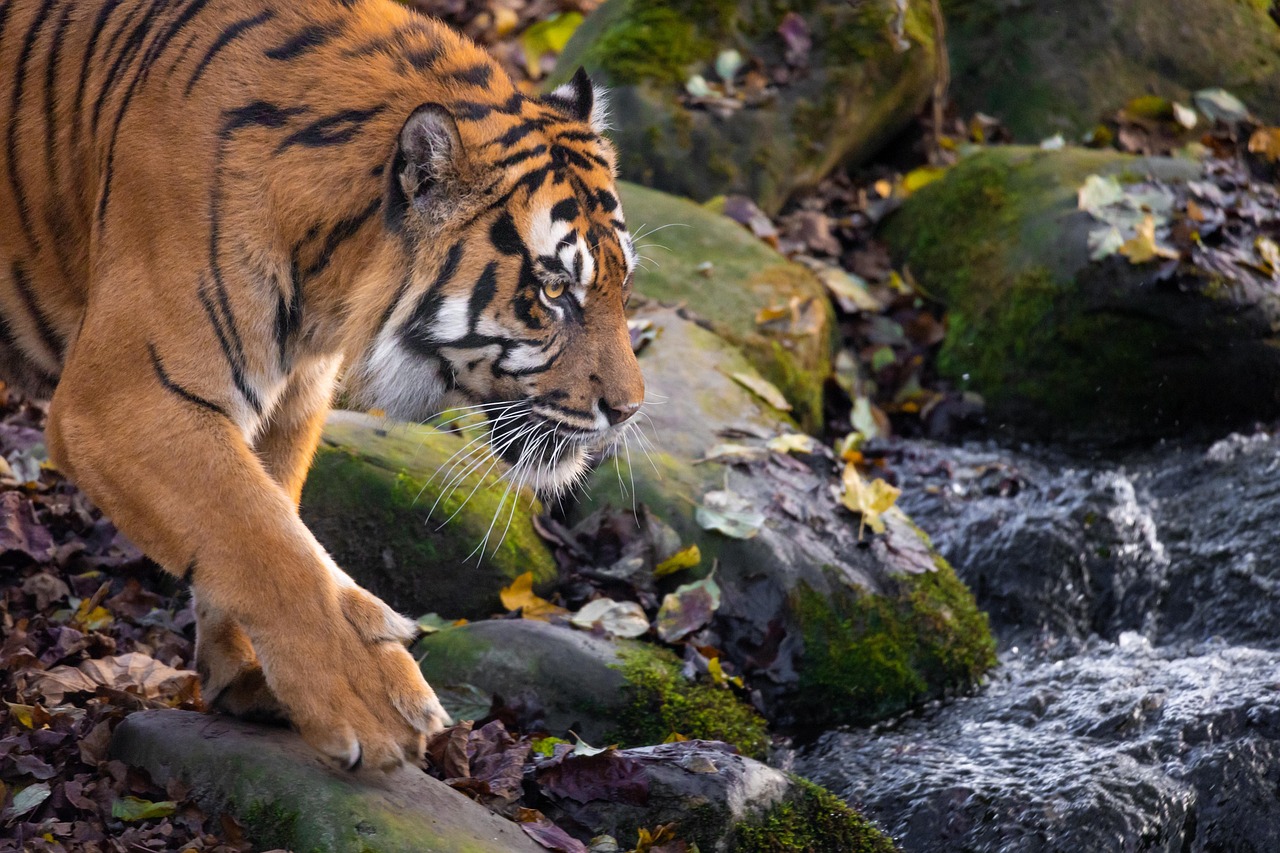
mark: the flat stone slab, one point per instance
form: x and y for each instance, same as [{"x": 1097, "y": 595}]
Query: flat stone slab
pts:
[{"x": 286, "y": 796}]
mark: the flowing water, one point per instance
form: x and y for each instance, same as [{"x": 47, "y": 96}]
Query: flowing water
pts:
[{"x": 1137, "y": 705}]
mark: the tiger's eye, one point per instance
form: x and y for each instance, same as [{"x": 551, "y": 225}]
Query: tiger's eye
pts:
[{"x": 553, "y": 289}]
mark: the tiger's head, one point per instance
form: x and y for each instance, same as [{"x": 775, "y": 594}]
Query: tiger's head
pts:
[{"x": 519, "y": 270}]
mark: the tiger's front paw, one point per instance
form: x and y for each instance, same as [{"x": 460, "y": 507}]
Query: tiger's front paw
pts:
[{"x": 351, "y": 687}]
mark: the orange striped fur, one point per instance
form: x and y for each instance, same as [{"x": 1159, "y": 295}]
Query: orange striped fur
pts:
[{"x": 210, "y": 211}]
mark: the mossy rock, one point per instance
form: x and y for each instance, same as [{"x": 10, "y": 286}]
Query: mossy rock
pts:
[
  {"x": 1062, "y": 347},
  {"x": 369, "y": 497},
  {"x": 871, "y": 69},
  {"x": 1042, "y": 71},
  {"x": 287, "y": 797},
  {"x": 744, "y": 276},
  {"x": 829, "y": 628},
  {"x": 622, "y": 692},
  {"x": 721, "y": 802}
]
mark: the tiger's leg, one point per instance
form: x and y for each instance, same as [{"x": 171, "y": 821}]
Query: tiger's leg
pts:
[
  {"x": 174, "y": 472},
  {"x": 232, "y": 678}
]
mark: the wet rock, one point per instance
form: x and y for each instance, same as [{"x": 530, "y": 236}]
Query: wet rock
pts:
[
  {"x": 809, "y": 90},
  {"x": 1043, "y": 69},
  {"x": 1064, "y": 347},
  {"x": 369, "y": 499},
  {"x": 1054, "y": 548},
  {"x": 565, "y": 680},
  {"x": 710, "y": 796},
  {"x": 1176, "y": 543},
  {"x": 725, "y": 276},
  {"x": 831, "y": 627},
  {"x": 1123, "y": 747},
  {"x": 286, "y": 797}
]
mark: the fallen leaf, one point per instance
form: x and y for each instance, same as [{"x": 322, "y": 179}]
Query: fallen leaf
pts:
[
  {"x": 607, "y": 776},
  {"x": 849, "y": 289},
  {"x": 1053, "y": 143},
  {"x": 728, "y": 63},
  {"x": 687, "y": 609},
  {"x": 1185, "y": 116},
  {"x": 432, "y": 622},
  {"x": 792, "y": 442},
  {"x": 1142, "y": 247},
  {"x": 921, "y": 177},
  {"x": 764, "y": 389},
  {"x": 1220, "y": 105},
  {"x": 520, "y": 596},
  {"x": 1098, "y": 192},
  {"x": 551, "y": 836},
  {"x": 133, "y": 808},
  {"x": 134, "y": 673},
  {"x": 716, "y": 670},
  {"x": 734, "y": 453},
  {"x": 697, "y": 86},
  {"x": 685, "y": 558},
  {"x": 26, "y": 801},
  {"x": 794, "y": 30},
  {"x": 1265, "y": 142},
  {"x": 619, "y": 618},
  {"x": 729, "y": 513},
  {"x": 1105, "y": 242},
  {"x": 20, "y": 531},
  {"x": 867, "y": 499}
]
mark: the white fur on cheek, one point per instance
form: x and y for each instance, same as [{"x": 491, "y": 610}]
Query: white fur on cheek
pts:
[{"x": 405, "y": 385}]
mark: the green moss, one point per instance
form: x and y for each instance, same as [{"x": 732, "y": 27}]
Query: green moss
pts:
[
  {"x": 369, "y": 499},
  {"x": 661, "y": 701},
  {"x": 877, "y": 655},
  {"x": 999, "y": 239},
  {"x": 812, "y": 820},
  {"x": 271, "y": 824},
  {"x": 659, "y": 41}
]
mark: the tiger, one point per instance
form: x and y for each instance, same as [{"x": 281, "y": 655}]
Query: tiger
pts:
[{"x": 214, "y": 214}]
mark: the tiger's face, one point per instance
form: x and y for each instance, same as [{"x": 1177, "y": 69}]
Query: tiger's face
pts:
[{"x": 520, "y": 267}]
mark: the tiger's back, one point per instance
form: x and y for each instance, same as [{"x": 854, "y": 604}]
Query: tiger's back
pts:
[
  {"x": 209, "y": 209},
  {"x": 223, "y": 114}
]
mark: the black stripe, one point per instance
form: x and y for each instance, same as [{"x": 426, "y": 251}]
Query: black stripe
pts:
[
  {"x": 486, "y": 287},
  {"x": 289, "y": 317},
  {"x": 340, "y": 233},
  {"x": 11, "y": 151},
  {"x": 577, "y": 136},
  {"x": 131, "y": 46},
  {"x": 99, "y": 25},
  {"x": 54, "y": 214},
  {"x": 154, "y": 52},
  {"x": 335, "y": 129},
  {"x": 174, "y": 388},
  {"x": 505, "y": 236},
  {"x": 47, "y": 335},
  {"x": 423, "y": 58},
  {"x": 309, "y": 38},
  {"x": 520, "y": 156},
  {"x": 230, "y": 34},
  {"x": 416, "y": 331},
  {"x": 257, "y": 114},
  {"x": 474, "y": 111},
  {"x": 229, "y": 341},
  {"x": 476, "y": 75},
  {"x": 565, "y": 210}
]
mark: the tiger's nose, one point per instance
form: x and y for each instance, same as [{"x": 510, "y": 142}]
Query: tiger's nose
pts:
[{"x": 618, "y": 413}]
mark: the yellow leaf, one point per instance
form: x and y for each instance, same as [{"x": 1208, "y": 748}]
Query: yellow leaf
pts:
[
  {"x": 1194, "y": 211},
  {"x": 547, "y": 36},
  {"x": 867, "y": 499},
  {"x": 1142, "y": 247},
  {"x": 791, "y": 442},
  {"x": 675, "y": 737},
  {"x": 520, "y": 596},
  {"x": 22, "y": 713},
  {"x": 921, "y": 177},
  {"x": 764, "y": 389},
  {"x": 1265, "y": 141},
  {"x": 1270, "y": 253},
  {"x": 772, "y": 314},
  {"x": 685, "y": 558}
]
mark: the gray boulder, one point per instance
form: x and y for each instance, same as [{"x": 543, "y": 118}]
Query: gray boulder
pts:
[
  {"x": 871, "y": 68},
  {"x": 1042, "y": 67},
  {"x": 1108, "y": 351},
  {"x": 287, "y": 797},
  {"x": 834, "y": 625}
]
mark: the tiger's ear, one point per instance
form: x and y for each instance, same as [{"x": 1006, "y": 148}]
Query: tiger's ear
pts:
[
  {"x": 582, "y": 100},
  {"x": 428, "y": 159}
]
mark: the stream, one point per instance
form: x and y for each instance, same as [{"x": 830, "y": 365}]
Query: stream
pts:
[{"x": 1137, "y": 704}]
